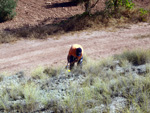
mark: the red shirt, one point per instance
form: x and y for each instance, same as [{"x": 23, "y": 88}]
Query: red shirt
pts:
[{"x": 72, "y": 51}]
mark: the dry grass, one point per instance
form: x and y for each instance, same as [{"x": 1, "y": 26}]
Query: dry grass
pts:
[
  {"x": 136, "y": 57},
  {"x": 101, "y": 85},
  {"x": 7, "y": 38},
  {"x": 142, "y": 36}
]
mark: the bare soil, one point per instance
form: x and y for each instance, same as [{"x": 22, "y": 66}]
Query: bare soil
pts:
[
  {"x": 33, "y": 12},
  {"x": 28, "y": 54}
]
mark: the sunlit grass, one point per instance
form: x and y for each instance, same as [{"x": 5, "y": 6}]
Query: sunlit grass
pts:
[
  {"x": 38, "y": 73},
  {"x": 100, "y": 85}
]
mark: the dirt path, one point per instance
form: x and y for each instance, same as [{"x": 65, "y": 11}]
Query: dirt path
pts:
[{"x": 27, "y": 54}]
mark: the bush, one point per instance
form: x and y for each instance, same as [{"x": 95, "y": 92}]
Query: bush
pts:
[
  {"x": 7, "y": 8},
  {"x": 116, "y": 4},
  {"x": 136, "y": 57}
]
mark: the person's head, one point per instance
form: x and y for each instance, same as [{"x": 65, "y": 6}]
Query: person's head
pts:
[{"x": 78, "y": 51}]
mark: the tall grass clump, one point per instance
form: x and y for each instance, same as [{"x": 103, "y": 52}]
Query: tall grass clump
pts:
[
  {"x": 31, "y": 94},
  {"x": 38, "y": 73},
  {"x": 136, "y": 57},
  {"x": 95, "y": 68},
  {"x": 89, "y": 65},
  {"x": 53, "y": 71},
  {"x": 4, "y": 97},
  {"x": 135, "y": 90},
  {"x": 7, "y": 9},
  {"x": 41, "y": 72},
  {"x": 7, "y": 38},
  {"x": 12, "y": 93},
  {"x": 77, "y": 100}
]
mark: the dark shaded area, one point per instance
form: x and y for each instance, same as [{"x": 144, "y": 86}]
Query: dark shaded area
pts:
[
  {"x": 1, "y": 20},
  {"x": 65, "y": 4},
  {"x": 4, "y": 19},
  {"x": 58, "y": 26},
  {"x": 39, "y": 31}
]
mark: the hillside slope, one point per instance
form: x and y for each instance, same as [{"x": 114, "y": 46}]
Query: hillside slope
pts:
[{"x": 33, "y": 12}]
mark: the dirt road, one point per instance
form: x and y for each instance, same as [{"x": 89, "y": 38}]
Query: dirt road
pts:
[{"x": 28, "y": 54}]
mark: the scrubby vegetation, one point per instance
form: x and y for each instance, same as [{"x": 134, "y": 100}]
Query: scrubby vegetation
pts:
[
  {"x": 115, "y": 13},
  {"x": 7, "y": 9},
  {"x": 117, "y": 84}
]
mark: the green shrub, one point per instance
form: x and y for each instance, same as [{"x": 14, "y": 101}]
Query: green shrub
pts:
[
  {"x": 143, "y": 14},
  {"x": 114, "y": 5},
  {"x": 7, "y": 8}
]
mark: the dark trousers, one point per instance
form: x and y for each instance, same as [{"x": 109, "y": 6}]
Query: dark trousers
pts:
[{"x": 79, "y": 62}]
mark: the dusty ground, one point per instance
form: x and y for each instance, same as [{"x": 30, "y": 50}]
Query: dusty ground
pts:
[{"x": 27, "y": 54}]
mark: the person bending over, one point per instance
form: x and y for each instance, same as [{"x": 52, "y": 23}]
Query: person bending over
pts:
[{"x": 75, "y": 55}]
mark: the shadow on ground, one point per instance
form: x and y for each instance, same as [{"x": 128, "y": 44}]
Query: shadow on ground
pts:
[
  {"x": 57, "y": 26},
  {"x": 47, "y": 26},
  {"x": 39, "y": 31},
  {"x": 65, "y": 4}
]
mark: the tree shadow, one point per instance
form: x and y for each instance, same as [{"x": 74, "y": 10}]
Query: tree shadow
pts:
[
  {"x": 47, "y": 26},
  {"x": 64, "y": 4},
  {"x": 39, "y": 31},
  {"x": 51, "y": 26}
]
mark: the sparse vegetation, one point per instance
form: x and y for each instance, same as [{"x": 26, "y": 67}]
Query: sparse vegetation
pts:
[
  {"x": 116, "y": 5},
  {"x": 7, "y": 38},
  {"x": 116, "y": 12},
  {"x": 38, "y": 73},
  {"x": 118, "y": 84},
  {"x": 137, "y": 57},
  {"x": 103, "y": 86}
]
